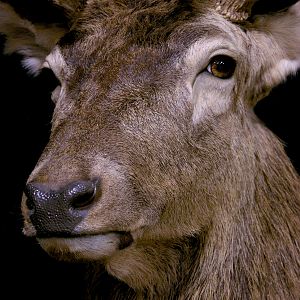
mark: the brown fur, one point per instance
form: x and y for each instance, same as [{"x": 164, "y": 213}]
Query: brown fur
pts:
[{"x": 205, "y": 189}]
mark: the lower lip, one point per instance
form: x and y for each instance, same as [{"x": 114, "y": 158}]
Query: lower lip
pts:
[{"x": 96, "y": 246}]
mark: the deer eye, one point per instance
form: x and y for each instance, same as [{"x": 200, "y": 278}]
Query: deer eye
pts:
[{"x": 222, "y": 66}]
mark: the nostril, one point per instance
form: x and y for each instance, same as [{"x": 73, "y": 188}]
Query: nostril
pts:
[
  {"x": 81, "y": 194},
  {"x": 81, "y": 201},
  {"x": 55, "y": 210}
]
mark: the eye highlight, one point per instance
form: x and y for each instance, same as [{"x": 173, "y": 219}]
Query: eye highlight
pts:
[{"x": 222, "y": 66}]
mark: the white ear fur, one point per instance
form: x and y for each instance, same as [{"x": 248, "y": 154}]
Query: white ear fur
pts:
[
  {"x": 285, "y": 28},
  {"x": 34, "y": 42},
  {"x": 278, "y": 37}
]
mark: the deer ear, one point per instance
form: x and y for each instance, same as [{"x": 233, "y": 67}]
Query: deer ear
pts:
[
  {"x": 34, "y": 42},
  {"x": 278, "y": 38}
]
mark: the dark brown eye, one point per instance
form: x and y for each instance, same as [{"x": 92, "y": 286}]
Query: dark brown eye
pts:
[{"x": 222, "y": 66}]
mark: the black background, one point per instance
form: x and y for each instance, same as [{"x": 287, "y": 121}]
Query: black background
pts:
[{"x": 27, "y": 272}]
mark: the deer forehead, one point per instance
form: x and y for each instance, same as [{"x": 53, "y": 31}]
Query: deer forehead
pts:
[{"x": 189, "y": 49}]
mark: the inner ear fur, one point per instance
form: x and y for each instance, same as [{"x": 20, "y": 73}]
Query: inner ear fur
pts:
[
  {"x": 33, "y": 41},
  {"x": 277, "y": 47}
]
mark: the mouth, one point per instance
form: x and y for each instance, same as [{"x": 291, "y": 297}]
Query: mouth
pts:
[{"x": 86, "y": 247}]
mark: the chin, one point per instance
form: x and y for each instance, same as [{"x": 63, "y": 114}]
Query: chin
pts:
[{"x": 86, "y": 247}]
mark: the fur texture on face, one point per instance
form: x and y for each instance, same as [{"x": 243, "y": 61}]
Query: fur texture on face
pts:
[{"x": 194, "y": 197}]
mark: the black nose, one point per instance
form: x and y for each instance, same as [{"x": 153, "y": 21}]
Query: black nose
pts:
[{"x": 56, "y": 212}]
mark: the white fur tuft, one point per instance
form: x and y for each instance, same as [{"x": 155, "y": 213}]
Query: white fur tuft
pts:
[
  {"x": 33, "y": 65},
  {"x": 33, "y": 42}
]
